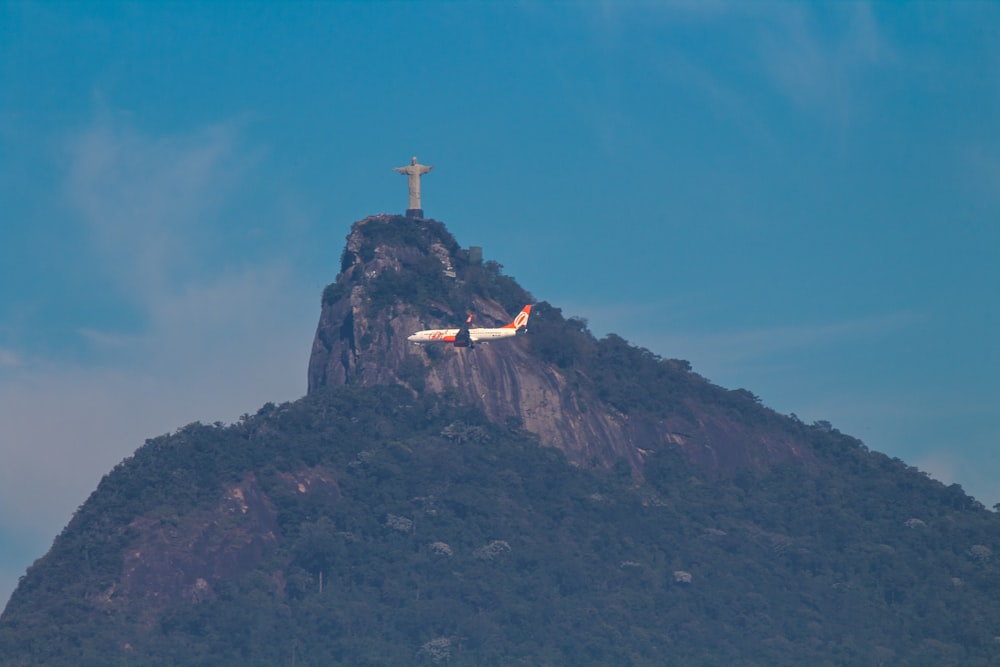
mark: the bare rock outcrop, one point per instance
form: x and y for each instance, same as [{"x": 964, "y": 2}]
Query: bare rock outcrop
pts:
[{"x": 402, "y": 275}]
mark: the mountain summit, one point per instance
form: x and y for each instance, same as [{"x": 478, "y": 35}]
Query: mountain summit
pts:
[
  {"x": 553, "y": 499},
  {"x": 600, "y": 402}
]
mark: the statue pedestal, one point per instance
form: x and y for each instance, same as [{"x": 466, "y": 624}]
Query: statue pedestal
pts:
[{"x": 414, "y": 213}]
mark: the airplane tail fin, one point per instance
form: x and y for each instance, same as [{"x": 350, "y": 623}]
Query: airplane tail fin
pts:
[{"x": 521, "y": 321}]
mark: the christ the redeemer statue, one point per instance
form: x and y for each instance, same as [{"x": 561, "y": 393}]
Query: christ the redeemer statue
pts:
[{"x": 413, "y": 173}]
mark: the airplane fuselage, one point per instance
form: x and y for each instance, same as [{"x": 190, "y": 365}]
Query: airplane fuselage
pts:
[
  {"x": 482, "y": 335},
  {"x": 467, "y": 336}
]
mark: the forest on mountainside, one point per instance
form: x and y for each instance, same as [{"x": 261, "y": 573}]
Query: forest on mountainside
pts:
[
  {"x": 436, "y": 537},
  {"x": 391, "y": 524}
]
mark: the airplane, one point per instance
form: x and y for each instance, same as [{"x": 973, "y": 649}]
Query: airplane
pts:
[{"x": 468, "y": 337}]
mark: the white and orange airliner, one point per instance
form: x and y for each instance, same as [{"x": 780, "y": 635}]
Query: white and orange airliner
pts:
[{"x": 467, "y": 336}]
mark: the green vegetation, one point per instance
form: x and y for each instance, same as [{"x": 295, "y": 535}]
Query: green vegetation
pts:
[
  {"x": 430, "y": 535},
  {"x": 373, "y": 526},
  {"x": 417, "y": 277}
]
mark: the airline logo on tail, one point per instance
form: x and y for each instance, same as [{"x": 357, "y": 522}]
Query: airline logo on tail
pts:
[
  {"x": 467, "y": 336},
  {"x": 521, "y": 321}
]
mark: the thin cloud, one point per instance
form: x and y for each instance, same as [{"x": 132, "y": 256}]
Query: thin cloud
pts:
[
  {"x": 105, "y": 340},
  {"x": 217, "y": 340},
  {"x": 940, "y": 467},
  {"x": 818, "y": 71},
  {"x": 728, "y": 347},
  {"x": 748, "y": 344},
  {"x": 145, "y": 200},
  {"x": 9, "y": 358},
  {"x": 816, "y": 59},
  {"x": 64, "y": 426},
  {"x": 979, "y": 477}
]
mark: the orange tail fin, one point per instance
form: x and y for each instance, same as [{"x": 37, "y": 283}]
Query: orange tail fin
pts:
[{"x": 521, "y": 321}]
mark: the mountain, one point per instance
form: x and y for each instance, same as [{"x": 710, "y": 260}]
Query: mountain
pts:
[
  {"x": 599, "y": 402},
  {"x": 553, "y": 499}
]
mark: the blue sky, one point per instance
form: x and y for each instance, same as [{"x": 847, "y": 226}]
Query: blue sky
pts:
[{"x": 802, "y": 200}]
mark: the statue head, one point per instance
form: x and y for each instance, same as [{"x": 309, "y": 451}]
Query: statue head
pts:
[{"x": 413, "y": 160}]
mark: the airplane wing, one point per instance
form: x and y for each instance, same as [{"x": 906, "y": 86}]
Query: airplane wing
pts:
[{"x": 463, "y": 338}]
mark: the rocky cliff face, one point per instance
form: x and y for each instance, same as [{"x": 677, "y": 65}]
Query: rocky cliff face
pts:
[{"x": 402, "y": 275}]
